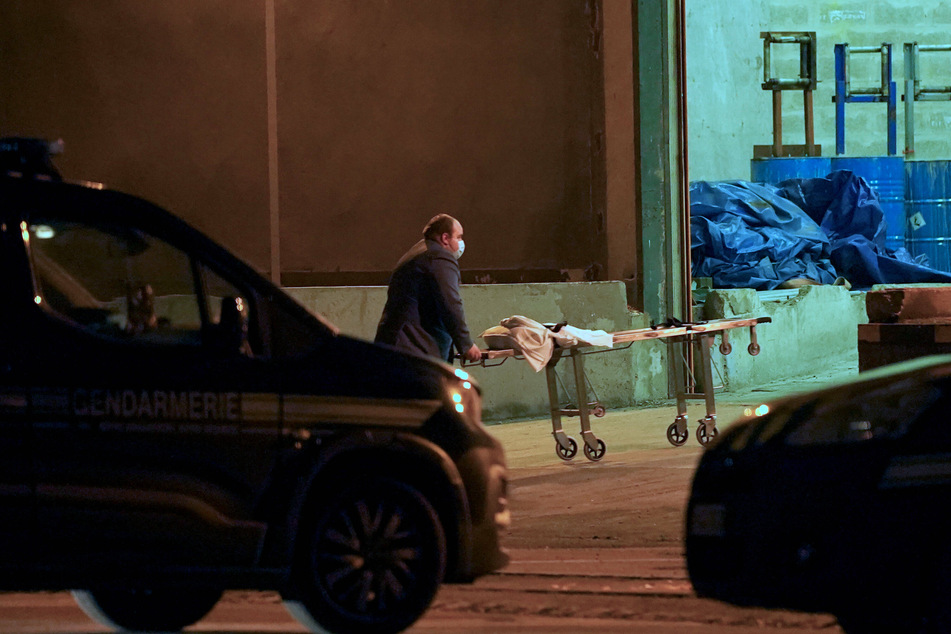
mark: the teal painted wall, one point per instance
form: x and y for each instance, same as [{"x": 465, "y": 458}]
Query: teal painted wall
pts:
[
  {"x": 811, "y": 332},
  {"x": 729, "y": 113}
]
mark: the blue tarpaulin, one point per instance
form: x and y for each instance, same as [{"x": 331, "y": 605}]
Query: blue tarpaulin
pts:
[{"x": 756, "y": 235}]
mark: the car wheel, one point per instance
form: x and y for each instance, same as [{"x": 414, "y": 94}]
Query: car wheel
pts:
[
  {"x": 371, "y": 561},
  {"x": 144, "y": 610}
]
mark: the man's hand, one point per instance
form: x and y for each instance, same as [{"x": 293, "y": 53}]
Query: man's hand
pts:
[{"x": 473, "y": 353}]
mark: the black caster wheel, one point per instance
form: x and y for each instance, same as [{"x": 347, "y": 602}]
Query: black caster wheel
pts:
[
  {"x": 703, "y": 437},
  {"x": 753, "y": 349},
  {"x": 598, "y": 411},
  {"x": 674, "y": 438},
  {"x": 726, "y": 348},
  {"x": 570, "y": 452},
  {"x": 593, "y": 455}
]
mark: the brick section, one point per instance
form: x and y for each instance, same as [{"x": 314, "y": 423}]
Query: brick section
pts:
[
  {"x": 904, "y": 323},
  {"x": 909, "y": 304}
]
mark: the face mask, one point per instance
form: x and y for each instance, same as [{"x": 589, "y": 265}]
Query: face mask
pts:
[{"x": 461, "y": 249}]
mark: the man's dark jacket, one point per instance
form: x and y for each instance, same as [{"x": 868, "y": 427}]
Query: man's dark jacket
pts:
[{"x": 423, "y": 312}]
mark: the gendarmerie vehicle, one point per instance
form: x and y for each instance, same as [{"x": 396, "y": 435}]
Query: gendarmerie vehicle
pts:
[
  {"x": 834, "y": 501},
  {"x": 173, "y": 425}
]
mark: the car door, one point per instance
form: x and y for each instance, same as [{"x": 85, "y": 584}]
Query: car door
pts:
[
  {"x": 155, "y": 412},
  {"x": 16, "y": 475}
]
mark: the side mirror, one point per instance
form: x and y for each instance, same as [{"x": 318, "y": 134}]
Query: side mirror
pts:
[{"x": 232, "y": 330}]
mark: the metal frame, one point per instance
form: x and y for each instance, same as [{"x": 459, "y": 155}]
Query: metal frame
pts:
[
  {"x": 914, "y": 91},
  {"x": 806, "y": 82},
  {"x": 565, "y": 445},
  {"x": 884, "y": 93}
]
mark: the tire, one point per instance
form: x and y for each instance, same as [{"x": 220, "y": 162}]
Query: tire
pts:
[
  {"x": 371, "y": 560},
  {"x": 145, "y": 610}
]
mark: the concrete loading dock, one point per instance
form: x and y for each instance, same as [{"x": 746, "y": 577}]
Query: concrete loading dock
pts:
[{"x": 813, "y": 332}]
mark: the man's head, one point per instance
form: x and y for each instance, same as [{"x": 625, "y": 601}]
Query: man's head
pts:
[{"x": 447, "y": 231}]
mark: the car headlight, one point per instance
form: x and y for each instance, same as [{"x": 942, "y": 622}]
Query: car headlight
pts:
[{"x": 464, "y": 396}]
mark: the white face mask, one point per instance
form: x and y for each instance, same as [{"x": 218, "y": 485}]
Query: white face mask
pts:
[{"x": 461, "y": 249}]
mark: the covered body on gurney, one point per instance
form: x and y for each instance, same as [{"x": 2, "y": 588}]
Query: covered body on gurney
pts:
[{"x": 544, "y": 345}]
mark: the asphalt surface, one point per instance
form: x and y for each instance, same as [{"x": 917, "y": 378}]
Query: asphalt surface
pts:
[{"x": 596, "y": 546}]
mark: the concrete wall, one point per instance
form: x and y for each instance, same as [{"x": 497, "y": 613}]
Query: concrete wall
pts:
[
  {"x": 163, "y": 99},
  {"x": 729, "y": 113},
  {"x": 813, "y": 332},
  {"x": 369, "y": 118},
  {"x": 621, "y": 378},
  {"x": 391, "y": 112}
]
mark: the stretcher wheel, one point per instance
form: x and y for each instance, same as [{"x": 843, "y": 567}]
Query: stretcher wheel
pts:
[
  {"x": 570, "y": 452},
  {"x": 726, "y": 348},
  {"x": 753, "y": 349},
  {"x": 598, "y": 411},
  {"x": 595, "y": 455},
  {"x": 675, "y": 438},
  {"x": 703, "y": 437}
]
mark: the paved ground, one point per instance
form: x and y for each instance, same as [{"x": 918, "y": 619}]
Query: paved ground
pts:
[{"x": 596, "y": 547}]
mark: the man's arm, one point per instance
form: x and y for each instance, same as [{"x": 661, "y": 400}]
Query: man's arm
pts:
[{"x": 446, "y": 274}]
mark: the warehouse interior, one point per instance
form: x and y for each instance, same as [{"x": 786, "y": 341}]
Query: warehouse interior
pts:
[{"x": 315, "y": 140}]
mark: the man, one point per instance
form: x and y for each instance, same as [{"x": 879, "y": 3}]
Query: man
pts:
[{"x": 423, "y": 312}]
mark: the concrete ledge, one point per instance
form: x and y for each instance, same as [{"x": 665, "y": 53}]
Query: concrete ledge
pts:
[
  {"x": 812, "y": 333},
  {"x": 621, "y": 378}
]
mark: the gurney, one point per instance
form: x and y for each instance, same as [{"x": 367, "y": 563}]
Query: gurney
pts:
[{"x": 695, "y": 340}]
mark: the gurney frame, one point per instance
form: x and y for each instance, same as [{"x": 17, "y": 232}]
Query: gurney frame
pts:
[{"x": 699, "y": 336}]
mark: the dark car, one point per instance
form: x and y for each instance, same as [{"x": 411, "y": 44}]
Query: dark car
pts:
[
  {"x": 834, "y": 501},
  {"x": 173, "y": 425}
]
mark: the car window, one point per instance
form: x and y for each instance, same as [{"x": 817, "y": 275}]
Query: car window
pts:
[
  {"x": 883, "y": 412},
  {"x": 229, "y": 313},
  {"x": 115, "y": 281}
]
